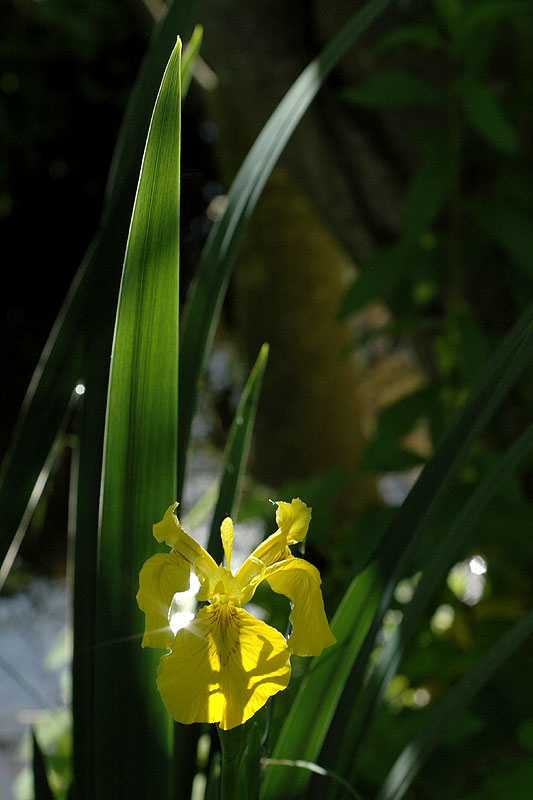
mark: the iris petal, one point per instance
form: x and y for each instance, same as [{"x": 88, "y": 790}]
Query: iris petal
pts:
[
  {"x": 300, "y": 582},
  {"x": 170, "y": 531},
  {"x": 223, "y": 667},
  {"x": 293, "y": 519},
  {"x": 160, "y": 578}
]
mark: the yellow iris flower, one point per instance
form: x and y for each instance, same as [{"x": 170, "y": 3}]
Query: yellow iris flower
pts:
[{"x": 225, "y": 664}]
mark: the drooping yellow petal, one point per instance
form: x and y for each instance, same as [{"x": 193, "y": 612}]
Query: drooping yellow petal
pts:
[
  {"x": 226, "y": 534},
  {"x": 170, "y": 531},
  {"x": 293, "y": 519},
  {"x": 223, "y": 667},
  {"x": 159, "y": 579},
  {"x": 300, "y": 582}
]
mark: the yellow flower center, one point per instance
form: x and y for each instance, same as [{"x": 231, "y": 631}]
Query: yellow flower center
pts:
[{"x": 224, "y": 588}]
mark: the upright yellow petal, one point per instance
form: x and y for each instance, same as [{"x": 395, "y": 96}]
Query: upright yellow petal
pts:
[
  {"x": 293, "y": 519},
  {"x": 223, "y": 667},
  {"x": 159, "y": 579},
  {"x": 251, "y": 572},
  {"x": 226, "y": 534},
  {"x": 170, "y": 531},
  {"x": 300, "y": 582}
]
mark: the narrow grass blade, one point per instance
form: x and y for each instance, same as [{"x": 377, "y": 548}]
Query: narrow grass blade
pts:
[
  {"x": 412, "y": 758},
  {"x": 41, "y": 787},
  {"x": 132, "y": 731},
  {"x": 220, "y": 250},
  {"x": 348, "y": 790},
  {"x": 80, "y": 335},
  {"x": 236, "y": 454},
  {"x": 13, "y": 542},
  {"x": 334, "y": 689}
]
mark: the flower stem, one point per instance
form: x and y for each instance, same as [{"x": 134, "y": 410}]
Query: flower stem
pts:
[{"x": 232, "y": 743}]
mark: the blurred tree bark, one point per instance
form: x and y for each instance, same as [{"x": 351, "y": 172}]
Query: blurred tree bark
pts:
[{"x": 335, "y": 195}]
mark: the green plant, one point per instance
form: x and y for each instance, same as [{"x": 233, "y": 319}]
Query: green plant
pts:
[{"x": 134, "y": 435}]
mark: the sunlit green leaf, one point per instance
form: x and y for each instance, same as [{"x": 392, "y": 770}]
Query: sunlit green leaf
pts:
[{"x": 139, "y": 475}]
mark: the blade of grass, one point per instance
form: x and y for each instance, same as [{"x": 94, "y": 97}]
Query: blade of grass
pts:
[
  {"x": 132, "y": 731},
  {"x": 236, "y": 454},
  {"x": 412, "y": 758},
  {"x": 56, "y": 450},
  {"x": 305, "y": 731},
  {"x": 219, "y": 253},
  {"x": 41, "y": 787}
]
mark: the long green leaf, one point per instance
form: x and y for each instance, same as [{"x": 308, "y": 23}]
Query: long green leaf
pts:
[
  {"x": 132, "y": 731},
  {"x": 412, "y": 758},
  {"x": 108, "y": 253},
  {"x": 236, "y": 453},
  {"x": 219, "y": 253},
  {"x": 304, "y": 733}
]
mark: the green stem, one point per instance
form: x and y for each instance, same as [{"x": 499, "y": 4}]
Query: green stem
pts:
[{"x": 232, "y": 743}]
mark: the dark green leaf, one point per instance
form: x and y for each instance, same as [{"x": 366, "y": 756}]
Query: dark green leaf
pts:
[
  {"x": 476, "y": 15},
  {"x": 417, "y": 34},
  {"x": 41, "y": 787},
  {"x": 484, "y": 115},
  {"x": 393, "y": 89},
  {"x": 427, "y": 191},
  {"x": 510, "y": 228},
  {"x": 249, "y": 770},
  {"x": 376, "y": 279}
]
